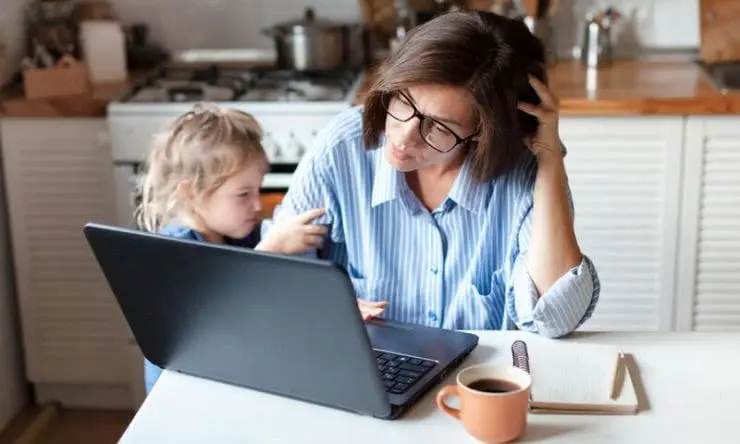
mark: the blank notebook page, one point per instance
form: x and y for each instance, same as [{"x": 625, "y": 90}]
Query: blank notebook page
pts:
[{"x": 576, "y": 373}]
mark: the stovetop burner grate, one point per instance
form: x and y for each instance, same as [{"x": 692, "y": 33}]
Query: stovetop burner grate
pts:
[{"x": 214, "y": 83}]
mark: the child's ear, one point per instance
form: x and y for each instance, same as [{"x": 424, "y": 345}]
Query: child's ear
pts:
[{"x": 184, "y": 191}]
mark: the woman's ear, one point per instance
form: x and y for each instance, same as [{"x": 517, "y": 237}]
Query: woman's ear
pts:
[
  {"x": 472, "y": 143},
  {"x": 528, "y": 140}
]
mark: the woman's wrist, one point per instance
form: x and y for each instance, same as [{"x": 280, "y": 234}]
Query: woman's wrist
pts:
[{"x": 550, "y": 161}]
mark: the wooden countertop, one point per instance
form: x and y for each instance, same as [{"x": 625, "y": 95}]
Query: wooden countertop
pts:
[
  {"x": 625, "y": 88},
  {"x": 633, "y": 88},
  {"x": 94, "y": 103}
]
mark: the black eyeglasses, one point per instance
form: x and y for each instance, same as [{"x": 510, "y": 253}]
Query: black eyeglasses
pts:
[{"x": 434, "y": 133}]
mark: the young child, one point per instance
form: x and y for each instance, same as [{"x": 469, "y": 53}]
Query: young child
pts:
[{"x": 201, "y": 181}]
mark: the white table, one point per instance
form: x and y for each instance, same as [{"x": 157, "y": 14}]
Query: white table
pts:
[{"x": 692, "y": 382}]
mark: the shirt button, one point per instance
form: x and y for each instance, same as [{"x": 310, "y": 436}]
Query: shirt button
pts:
[
  {"x": 434, "y": 270},
  {"x": 433, "y": 316}
]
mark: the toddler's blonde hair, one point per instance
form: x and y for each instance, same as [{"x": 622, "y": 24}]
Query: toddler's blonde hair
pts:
[{"x": 205, "y": 147}]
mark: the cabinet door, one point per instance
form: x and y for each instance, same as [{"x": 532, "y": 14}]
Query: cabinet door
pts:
[
  {"x": 58, "y": 175},
  {"x": 625, "y": 178},
  {"x": 709, "y": 257}
]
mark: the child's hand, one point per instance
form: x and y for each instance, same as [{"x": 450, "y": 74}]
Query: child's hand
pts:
[{"x": 295, "y": 235}]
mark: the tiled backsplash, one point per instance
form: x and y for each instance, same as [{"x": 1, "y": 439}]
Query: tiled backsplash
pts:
[
  {"x": 645, "y": 23},
  {"x": 183, "y": 24}
]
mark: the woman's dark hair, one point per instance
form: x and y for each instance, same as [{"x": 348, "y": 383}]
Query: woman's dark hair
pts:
[{"x": 489, "y": 55}]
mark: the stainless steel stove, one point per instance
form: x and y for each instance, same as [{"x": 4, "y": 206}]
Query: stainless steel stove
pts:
[
  {"x": 214, "y": 84},
  {"x": 292, "y": 107}
]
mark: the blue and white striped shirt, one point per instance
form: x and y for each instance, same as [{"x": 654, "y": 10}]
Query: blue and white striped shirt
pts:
[{"x": 461, "y": 266}]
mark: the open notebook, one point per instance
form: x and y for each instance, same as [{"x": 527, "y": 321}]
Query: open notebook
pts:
[{"x": 573, "y": 377}]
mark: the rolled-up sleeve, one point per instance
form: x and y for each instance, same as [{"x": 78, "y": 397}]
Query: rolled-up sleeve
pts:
[{"x": 565, "y": 306}]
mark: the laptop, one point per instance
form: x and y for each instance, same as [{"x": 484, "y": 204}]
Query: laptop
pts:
[{"x": 281, "y": 324}]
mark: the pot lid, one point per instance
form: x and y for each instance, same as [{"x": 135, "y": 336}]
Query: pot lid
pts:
[{"x": 308, "y": 20}]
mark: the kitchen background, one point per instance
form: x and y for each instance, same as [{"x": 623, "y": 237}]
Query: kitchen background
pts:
[
  {"x": 179, "y": 25},
  {"x": 667, "y": 264}
]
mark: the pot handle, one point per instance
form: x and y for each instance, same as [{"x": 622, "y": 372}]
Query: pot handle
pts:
[{"x": 309, "y": 14}]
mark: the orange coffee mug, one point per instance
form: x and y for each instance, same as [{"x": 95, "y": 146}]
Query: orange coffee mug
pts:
[{"x": 494, "y": 401}]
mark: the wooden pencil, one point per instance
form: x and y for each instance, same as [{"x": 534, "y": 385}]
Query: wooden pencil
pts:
[{"x": 616, "y": 386}]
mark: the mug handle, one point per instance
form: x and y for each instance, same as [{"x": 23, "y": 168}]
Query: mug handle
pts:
[{"x": 448, "y": 390}]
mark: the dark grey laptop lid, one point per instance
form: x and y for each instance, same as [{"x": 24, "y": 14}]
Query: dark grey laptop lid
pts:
[{"x": 278, "y": 324}]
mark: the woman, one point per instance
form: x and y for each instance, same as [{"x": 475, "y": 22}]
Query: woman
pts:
[{"x": 447, "y": 195}]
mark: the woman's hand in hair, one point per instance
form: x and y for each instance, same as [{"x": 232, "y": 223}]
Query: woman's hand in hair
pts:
[
  {"x": 546, "y": 143},
  {"x": 295, "y": 235}
]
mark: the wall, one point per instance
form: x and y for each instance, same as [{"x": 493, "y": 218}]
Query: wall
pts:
[
  {"x": 181, "y": 24},
  {"x": 184, "y": 24},
  {"x": 645, "y": 24},
  {"x": 11, "y": 36}
]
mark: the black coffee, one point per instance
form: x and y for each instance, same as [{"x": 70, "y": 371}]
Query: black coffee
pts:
[{"x": 493, "y": 386}]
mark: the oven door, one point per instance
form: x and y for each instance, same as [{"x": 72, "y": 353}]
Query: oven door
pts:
[
  {"x": 270, "y": 199},
  {"x": 125, "y": 174},
  {"x": 274, "y": 187}
]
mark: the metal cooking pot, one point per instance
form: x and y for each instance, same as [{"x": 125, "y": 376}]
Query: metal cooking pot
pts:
[{"x": 310, "y": 44}]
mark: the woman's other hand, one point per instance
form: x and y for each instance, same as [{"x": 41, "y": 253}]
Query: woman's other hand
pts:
[{"x": 371, "y": 310}]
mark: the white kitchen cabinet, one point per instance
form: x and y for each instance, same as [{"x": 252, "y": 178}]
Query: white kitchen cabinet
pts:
[
  {"x": 625, "y": 177},
  {"x": 58, "y": 176},
  {"x": 708, "y": 293}
]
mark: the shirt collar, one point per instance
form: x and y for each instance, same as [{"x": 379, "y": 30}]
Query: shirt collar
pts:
[
  {"x": 387, "y": 180},
  {"x": 467, "y": 192}
]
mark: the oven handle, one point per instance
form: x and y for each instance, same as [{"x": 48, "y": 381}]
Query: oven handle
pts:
[{"x": 134, "y": 165}]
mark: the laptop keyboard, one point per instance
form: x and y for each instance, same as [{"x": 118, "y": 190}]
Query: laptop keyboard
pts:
[{"x": 401, "y": 372}]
